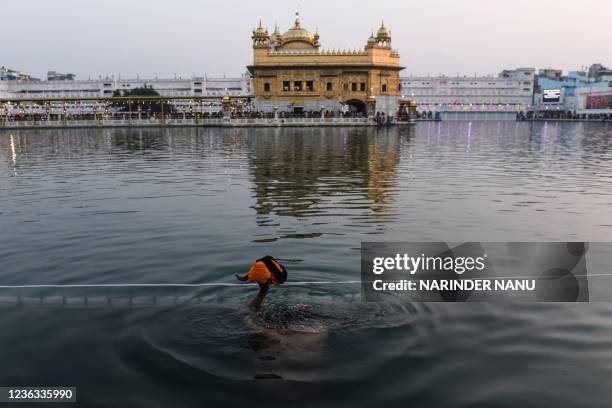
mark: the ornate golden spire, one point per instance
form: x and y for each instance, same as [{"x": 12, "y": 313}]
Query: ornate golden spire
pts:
[
  {"x": 297, "y": 19},
  {"x": 383, "y": 33},
  {"x": 260, "y": 36},
  {"x": 261, "y": 30}
]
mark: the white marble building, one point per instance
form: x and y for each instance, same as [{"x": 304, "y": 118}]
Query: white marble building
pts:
[
  {"x": 196, "y": 86},
  {"x": 511, "y": 91}
]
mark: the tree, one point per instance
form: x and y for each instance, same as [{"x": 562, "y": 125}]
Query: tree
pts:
[{"x": 151, "y": 106}]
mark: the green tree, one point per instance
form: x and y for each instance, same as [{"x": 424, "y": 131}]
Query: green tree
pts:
[{"x": 146, "y": 105}]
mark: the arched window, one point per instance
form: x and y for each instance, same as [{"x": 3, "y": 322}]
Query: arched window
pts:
[{"x": 266, "y": 87}]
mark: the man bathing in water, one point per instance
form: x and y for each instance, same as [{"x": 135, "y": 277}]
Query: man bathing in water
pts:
[
  {"x": 274, "y": 339},
  {"x": 264, "y": 271}
]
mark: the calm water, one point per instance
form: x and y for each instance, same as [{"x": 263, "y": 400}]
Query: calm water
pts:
[{"x": 197, "y": 205}]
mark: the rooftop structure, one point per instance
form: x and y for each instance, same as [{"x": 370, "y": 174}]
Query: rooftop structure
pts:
[
  {"x": 56, "y": 76},
  {"x": 7, "y": 74}
]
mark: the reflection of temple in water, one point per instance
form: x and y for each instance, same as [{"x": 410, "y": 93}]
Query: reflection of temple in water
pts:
[{"x": 319, "y": 172}]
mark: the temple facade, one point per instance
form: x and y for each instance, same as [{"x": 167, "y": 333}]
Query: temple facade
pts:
[{"x": 291, "y": 73}]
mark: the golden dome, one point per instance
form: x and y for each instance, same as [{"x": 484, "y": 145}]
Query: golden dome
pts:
[
  {"x": 298, "y": 33},
  {"x": 383, "y": 32},
  {"x": 372, "y": 39},
  {"x": 299, "y": 37}
]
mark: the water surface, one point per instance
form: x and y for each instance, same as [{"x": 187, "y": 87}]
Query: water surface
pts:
[{"x": 197, "y": 205}]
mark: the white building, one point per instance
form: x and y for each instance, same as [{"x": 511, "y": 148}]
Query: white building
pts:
[
  {"x": 13, "y": 90},
  {"x": 577, "y": 93},
  {"x": 472, "y": 97},
  {"x": 7, "y": 74},
  {"x": 594, "y": 101},
  {"x": 4, "y": 92},
  {"x": 196, "y": 86}
]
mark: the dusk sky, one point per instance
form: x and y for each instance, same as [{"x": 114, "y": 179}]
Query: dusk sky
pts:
[{"x": 186, "y": 37}]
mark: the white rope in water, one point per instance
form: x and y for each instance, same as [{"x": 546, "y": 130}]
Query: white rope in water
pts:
[
  {"x": 221, "y": 284},
  {"x": 168, "y": 285}
]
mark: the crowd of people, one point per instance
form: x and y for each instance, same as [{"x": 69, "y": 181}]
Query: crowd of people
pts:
[
  {"x": 28, "y": 116},
  {"x": 564, "y": 115},
  {"x": 379, "y": 117},
  {"x": 427, "y": 115},
  {"x": 303, "y": 114},
  {"x": 90, "y": 115}
]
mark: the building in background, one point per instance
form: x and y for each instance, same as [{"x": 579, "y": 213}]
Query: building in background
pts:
[
  {"x": 105, "y": 87},
  {"x": 599, "y": 73},
  {"x": 62, "y": 90},
  {"x": 4, "y": 93},
  {"x": 56, "y": 76},
  {"x": 594, "y": 101},
  {"x": 478, "y": 97},
  {"x": 291, "y": 73},
  {"x": 577, "y": 94},
  {"x": 557, "y": 92},
  {"x": 550, "y": 73},
  {"x": 7, "y": 74}
]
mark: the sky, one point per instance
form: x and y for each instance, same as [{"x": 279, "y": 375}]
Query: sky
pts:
[{"x": 185, "y": 37}]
